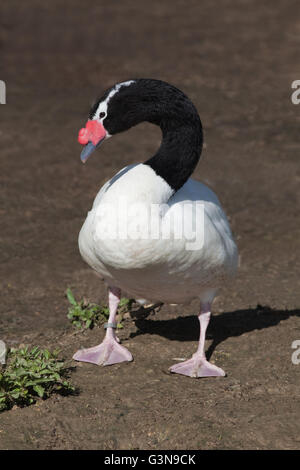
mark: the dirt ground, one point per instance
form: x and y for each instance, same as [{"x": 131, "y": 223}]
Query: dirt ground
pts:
[{"x": 236, "y": 61}]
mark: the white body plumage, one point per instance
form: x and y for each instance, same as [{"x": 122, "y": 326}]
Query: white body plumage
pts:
[{"x": 159, "y": 269}]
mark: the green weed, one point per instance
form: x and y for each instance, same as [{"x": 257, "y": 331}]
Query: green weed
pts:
[
  {"x": 30, "y": 374},
  {"x": 86, "y": 315}
]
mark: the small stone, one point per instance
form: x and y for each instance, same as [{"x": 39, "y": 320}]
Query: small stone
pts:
[{"x": 3, "y": 351}]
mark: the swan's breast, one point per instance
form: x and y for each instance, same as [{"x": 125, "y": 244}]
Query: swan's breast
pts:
[{"x": 188, "y": 234}]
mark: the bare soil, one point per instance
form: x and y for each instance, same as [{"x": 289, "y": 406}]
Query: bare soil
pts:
[{"x": 236, "y": 61}]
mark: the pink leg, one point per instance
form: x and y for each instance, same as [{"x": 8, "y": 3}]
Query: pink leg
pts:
[
  {"x": 198, "y": 366},
  {"x": 109, "y": 351}
]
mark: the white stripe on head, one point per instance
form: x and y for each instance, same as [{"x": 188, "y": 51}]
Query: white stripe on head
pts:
[{"x": 102, "y": 108}]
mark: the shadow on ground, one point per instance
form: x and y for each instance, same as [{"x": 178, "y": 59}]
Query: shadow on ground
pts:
[{"x": 221, "y": 327}]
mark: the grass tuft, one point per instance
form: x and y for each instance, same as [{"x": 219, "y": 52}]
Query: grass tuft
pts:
[
  {"x": 86, "y": 315},
  {"x": 31, "y": 374}
]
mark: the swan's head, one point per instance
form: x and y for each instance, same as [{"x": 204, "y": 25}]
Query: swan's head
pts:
[
  {"x": 129, "y": 103},
  {"x": 116, "y": 111}
]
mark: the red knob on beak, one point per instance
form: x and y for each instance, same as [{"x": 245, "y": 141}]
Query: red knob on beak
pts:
[
  {"x": 91, "y": 136},
  {"x": 83, "y": 136},
  {"x": 93, "y": 132}
]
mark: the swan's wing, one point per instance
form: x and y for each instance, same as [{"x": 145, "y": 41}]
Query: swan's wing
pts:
[
  {"x": 198, "y": 193},
  {"x": 196, "y": 211}
]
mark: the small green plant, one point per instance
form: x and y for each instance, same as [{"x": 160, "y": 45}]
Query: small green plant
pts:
[
  {"x": 124, "y": 306},
  {"x": 32, "y": 373},
  {"x": 86, "y": 315},
  {"x": 83, "y": 314}
]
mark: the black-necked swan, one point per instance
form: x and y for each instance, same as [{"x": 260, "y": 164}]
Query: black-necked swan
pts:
[{"x": 153, "y": 231}]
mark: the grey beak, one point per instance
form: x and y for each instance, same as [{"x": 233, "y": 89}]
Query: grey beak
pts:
[{"x": 88, "y": 149}]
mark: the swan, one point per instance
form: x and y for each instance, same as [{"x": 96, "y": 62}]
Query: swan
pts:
[{"x": 152, "y": 230}]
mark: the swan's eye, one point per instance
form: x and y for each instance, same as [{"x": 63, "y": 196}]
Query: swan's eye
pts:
[{"x": 102, "y": 115}]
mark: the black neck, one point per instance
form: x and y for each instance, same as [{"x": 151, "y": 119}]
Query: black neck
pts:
[
  {"x": 179, "y": 152},
  {"x": 166, "y": 106}
]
